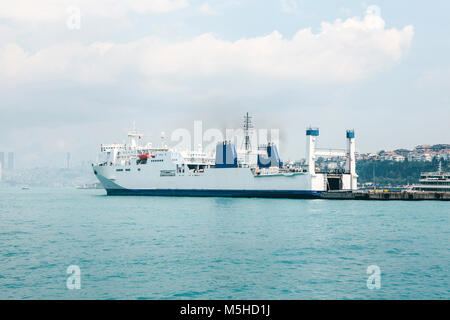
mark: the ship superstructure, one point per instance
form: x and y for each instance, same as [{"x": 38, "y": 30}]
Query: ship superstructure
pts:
[
  {"x": 252, "y": 171},
  {"x": 438, "y": 181}
]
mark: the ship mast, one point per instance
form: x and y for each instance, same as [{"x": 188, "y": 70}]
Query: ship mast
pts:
[
  {"x": 134, "y": 136},
  {"x": 248, "y": 126}
]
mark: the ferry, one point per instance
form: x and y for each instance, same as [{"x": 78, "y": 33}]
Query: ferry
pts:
[
  {"x": 438, "y": 181},
  {"x": 135, "y": 169}
]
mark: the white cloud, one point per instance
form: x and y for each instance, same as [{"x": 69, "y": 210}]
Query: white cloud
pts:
[
  {"x": 206, "y": 9},
  {"x": 342, "y": 51},
  {"x": 51, "y": 10}
]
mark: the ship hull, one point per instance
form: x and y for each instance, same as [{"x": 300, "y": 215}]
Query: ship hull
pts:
[
  {"x": 226, "y": 182},
  {"x": 286, "y": 194},
  {"x": 152, "y": 180}
]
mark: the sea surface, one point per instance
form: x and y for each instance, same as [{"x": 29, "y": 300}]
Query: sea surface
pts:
[{"x": 219, "y": 248}]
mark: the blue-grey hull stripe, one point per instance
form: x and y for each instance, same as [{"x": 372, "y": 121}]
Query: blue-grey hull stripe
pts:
[{"x": 292, "y": 194}]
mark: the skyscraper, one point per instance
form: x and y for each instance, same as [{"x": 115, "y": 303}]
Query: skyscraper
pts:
[
  {"x": 2, "y": 159},
  {"x": 68, "y": 160},
  {"x": 11, "y": 161}
]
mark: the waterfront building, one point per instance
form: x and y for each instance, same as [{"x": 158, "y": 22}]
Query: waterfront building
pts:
[{"x": 11, "y": 161}]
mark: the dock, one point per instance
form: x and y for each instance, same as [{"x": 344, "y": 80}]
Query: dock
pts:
[{"x": 386, "y": 195}]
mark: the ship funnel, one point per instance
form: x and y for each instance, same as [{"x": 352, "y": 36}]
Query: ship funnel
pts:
[
  {"x": 271, "y": 158},
  {"x": 226, "y": 155}
]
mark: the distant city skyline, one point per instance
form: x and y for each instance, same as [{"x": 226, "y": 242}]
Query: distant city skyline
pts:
[
  {"x": 420, "y": 152},
  {"x": 68, "y": 160},
  {"x": 11, "y": 161},
  {"x": 71, "y": 82},
  {"x": 2, "y": 159}
]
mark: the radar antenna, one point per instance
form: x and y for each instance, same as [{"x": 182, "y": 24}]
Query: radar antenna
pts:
[{"x": 248, "y": 126}]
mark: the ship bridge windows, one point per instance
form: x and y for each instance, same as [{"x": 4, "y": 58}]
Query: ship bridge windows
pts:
[
  {"x": 121, "y": 170},
  {"x": 436, "y": 182}
]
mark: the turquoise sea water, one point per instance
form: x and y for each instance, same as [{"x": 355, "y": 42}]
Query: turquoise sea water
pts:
[{"x": 218, "y": 248}]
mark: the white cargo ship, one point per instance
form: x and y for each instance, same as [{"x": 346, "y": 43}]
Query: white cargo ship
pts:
[{"x": 134, "y": 169}]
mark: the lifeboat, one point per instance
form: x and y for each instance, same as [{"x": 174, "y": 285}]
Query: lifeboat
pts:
[{"x": 144, "y": 156}]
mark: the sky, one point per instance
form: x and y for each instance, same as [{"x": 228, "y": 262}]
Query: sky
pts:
[{"x": 77, "y": 73}]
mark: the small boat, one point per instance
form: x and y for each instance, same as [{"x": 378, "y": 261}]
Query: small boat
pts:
[{"x": 25, "y": 188}]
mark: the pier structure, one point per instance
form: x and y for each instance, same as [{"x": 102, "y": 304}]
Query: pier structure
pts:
[
  {"x": 345, "y": 182},
  {"x": 311, "y": 138},
  {"x": 386, "y": 195}
]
